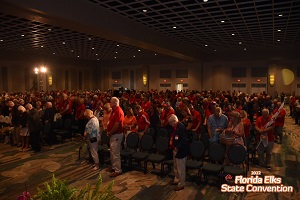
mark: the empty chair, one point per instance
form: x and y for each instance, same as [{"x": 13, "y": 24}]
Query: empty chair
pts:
[
  {"x": 237, "y": 156},
  {"x": 132, "y": 144},
  {"x": 216, "y": 153},
  {"x": 197, "y": 151},
  {"x": 161, "y": 146},
  {"x": 146, "y": 145},
  {"x": 162, "y": 133},
  {"x": 65, "y": 131}
]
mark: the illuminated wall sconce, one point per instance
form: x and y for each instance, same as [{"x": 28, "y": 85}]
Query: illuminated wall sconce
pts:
[
  {"x": 145, "y": 80},
  {"x": 181, "y": 80},
  {"x": 239, "y": 80},
  {"x": 272, "y": 80},
  {"x": 50, "y": 80},
  {"x": 258, "y": 80},
  {"x": 165, "y": 80}
]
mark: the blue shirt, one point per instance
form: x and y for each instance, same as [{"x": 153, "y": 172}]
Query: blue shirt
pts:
[{"x": 92, "y": 128}]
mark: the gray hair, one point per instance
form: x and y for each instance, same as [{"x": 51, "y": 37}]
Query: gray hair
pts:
[
  {"x": 265, "y": 110},
  {"x": 28, "y": 106},
  {"x": 88, "y": 113},
  {"x": 172, "y": 118},
  {"x": 115, "y": 100}
]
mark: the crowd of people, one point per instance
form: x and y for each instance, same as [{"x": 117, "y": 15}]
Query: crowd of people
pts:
[{"x": 117, "y": 113}]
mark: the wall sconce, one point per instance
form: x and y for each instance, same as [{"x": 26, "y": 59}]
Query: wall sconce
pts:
[
  {"x": 145, "y": 80},
  {"x": 50, "y": 80},
  {"x": 272, "y": 80}
]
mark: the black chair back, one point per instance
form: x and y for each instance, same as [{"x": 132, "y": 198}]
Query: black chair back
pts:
[
  {"x": 146, "y": 142},
  {"x": 205, "y": 139},
  {"x": 237, "y": 154},
  {"x": 132, "y": 140},
  {"x": 162, "y": 133},
  {"x": 162, "y": 145},
  {"x": 197, "y": 149},
  {"x": 216, "y": 152}
]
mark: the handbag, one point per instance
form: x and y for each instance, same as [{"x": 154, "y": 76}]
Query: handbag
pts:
[{"x": 92, "y": 140}]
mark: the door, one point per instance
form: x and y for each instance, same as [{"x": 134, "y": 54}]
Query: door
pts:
[
  {"x": 179, "y": 87},
  {"x": 258, "y": 88}
]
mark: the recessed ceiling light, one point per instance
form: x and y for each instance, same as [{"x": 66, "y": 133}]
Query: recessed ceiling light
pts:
[
  {"x": 245, "y": 49},
  {"x": 174, "y": 27},
  {"x": 97, "y": 58},
  {"x": 134, "y": 56},
  {"x": 53, "y": 53},
  {"x": 232, "y": 34},
  {"x": 93, "y": 48},
  {"x": 278, "y": 30},
  {"x": 1, "y": 40},
  {"x": 115, "y": 57},
  {"x": 72, "y": 50},
  {"x": 139, "y": 50},
  {"x": 144, "y": 10},
  {"x": 64, "y": 43},
  {"x": 240, "y": 42},
  {"x": 215, "y": 50},
  {"x": 42, "y": 46},
  {"x": 278, "y": 40},
  {"x": 22, "y": 35},
  {"x": 118, "y": 45},
  {"x": 90, "y": 38},
  {"x": 222, "y": 21},
  {"x": 49, "y": 29},
  {"x": 116, "y": 52},
  {"x": 96, "y": 54},
  {"x": 205, "y": 0},
  {"x": 77, "y": 56},
  {"x": 155, "y": 54},
  {"x": 280, "y": 15},
  {"x": 206, "y": 45}
]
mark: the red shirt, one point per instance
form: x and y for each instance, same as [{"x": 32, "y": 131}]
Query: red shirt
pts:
[
  {"x": 146, "y": 106},
  {"x": 117, "y": 115},
  {"x": 247, "y": 126},
  {"x": 165, "y": 116},
  {"x": 197, "y": 118},
  {"x": 79, "y": 110},
  {"x": 142, "y": 121},
  {"x": 280, "y": 118},
  {"x": 261, "y": 122}
]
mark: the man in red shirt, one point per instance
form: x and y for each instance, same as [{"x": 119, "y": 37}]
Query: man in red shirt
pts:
[
  {"x": 143, "y": 121},
  {"x": 145, "y": 104},
  {"x": 266, "y": 138},
  {"x": 114, "y": 131},
  {"x": 168, "y": 110},
  {"x": 279, "y": 123},
  {"x": 197, "y": 119}
]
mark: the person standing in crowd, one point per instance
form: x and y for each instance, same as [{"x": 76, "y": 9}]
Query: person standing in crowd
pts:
[
  {"x": 154, "y": 118},
  {"x": 115, "y": 132},
  {"x": 297, "y": 110},
  {"x": 247, "y": 127},
  {"x": 279, "y": 123},
  {"x": 129, "y": 124},
  {"x": 266, "y": 139},
  {"x": 66, "y": 107},
  {"x": 178, "y": 142},
  {"x": 79, "y": 116},
  {"x": 167, "y": 111},
  {"x": 24, "y": 133},
  {"x": 16, "y": 122},
  {"x": 216, "y": 123},
  {"x": 98, "y": 113},
  {"x": 34, "y": 127},
  {"x": 91, "y": 133},
  {"x": 143, "y": 121},
  {"x": 48, "y": 119}
]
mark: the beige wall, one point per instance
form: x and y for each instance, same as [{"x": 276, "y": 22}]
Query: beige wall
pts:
[{"x": 209, "y": 75}]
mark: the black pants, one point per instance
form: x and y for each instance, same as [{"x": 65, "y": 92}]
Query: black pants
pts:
[{"x": 35, "y": 140}]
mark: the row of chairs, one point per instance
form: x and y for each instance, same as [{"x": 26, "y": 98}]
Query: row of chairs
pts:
[{"x": 206, "y": 158}]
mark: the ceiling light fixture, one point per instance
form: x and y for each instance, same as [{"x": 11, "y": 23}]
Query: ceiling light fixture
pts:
[
  {"x": 96, "y": 54},
  {"x": 280, "y": 15},
  {"x": 116, "y": 52},
  {"x": 279, "y": 30},
  {"x": 90, "y": 38},
  {"x": 97, "y": 58},
  {"x": 22, "y": 35},
  {"x": 118, "y": 45},
  {"x": 215, "y": 50},
  {"x": 206, "y": 45},
  {"x": 245, "y": 49},
  {"x": 64, "y": 43},
  {"x": 42, "y": 46},
  {"x": 240, "y": 42},
  {"x": 174, "y": 27},
  {"x": 222, "y": 21},
  {"x": 115, "y": 57},
  {"x": 205, "y": 0},
  {"x": 134, "y": 56},
  {"x": 278, "y": 40},
  {"x": 72, "y": 50},
  {"x": 93, "y": 48},
  {"x": 139, "y": 50},
  {"x": 1, "y": 40},
  {"x": 155, "y": 54},
  {"x": 77, "y": 56},
  {"x": 53, "y": 53},
  {"x": 49, "y": 29},
  {"x": 232, "y": 34},
  {"x": 144, "y": 10}
]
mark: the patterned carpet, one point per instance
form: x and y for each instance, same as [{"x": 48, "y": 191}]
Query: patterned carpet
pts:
[{"x": 18, "y": 168}]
